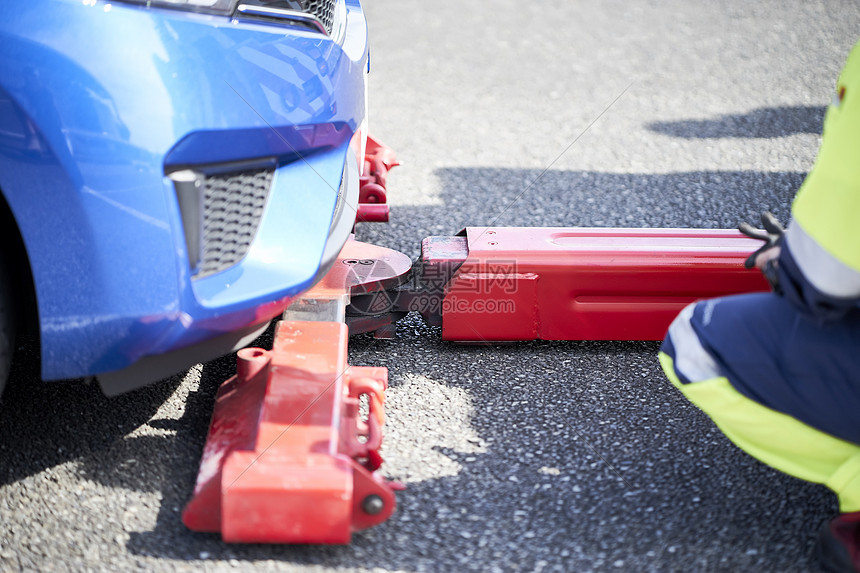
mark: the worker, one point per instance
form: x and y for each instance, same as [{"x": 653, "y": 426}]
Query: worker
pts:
[{"x": 779, "y": 372}]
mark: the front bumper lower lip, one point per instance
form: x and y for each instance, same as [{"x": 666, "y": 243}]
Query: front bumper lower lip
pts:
[{"x": 152, "y": 368}]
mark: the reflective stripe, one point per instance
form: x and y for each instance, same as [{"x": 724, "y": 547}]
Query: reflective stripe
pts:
[
  {"x": 691, "y": 359},
  {"x": 777, "y": 439},
  {"x": 824, "y": 271}
]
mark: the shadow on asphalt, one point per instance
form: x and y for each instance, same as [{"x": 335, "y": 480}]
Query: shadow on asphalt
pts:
[
  {"x": 647, "y": 480},
  {"x": 532, "y": 198},
  {"x": 766, "y": 122},
  {"x": 44, "y": 424}
]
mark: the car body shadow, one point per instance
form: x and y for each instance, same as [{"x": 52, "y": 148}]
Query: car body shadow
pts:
[{"x": 45, "y": 424}]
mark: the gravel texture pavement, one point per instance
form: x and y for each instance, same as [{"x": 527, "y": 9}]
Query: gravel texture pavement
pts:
[{"x": 544, "y": 456}]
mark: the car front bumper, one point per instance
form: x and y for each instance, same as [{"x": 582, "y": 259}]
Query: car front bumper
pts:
[{"x": 106, "y": 102}]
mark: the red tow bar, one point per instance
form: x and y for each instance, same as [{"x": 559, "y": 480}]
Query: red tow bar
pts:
[{"x": 583, "y": 283}]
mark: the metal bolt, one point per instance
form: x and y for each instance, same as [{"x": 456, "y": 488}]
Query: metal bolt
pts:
[
  {"x": 366, "y": 262},
  {"x": 350, "y": 261},
  {"x": 373, "y": 504}
]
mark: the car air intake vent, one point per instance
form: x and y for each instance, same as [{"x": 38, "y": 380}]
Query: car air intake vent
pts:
[{"x": 233, "y": 204}]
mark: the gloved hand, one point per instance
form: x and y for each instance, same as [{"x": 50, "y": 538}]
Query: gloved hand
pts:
[{"x": 772, "y": 237}]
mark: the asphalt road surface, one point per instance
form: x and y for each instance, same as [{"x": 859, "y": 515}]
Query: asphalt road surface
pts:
[{"x": 545, "y": 456}]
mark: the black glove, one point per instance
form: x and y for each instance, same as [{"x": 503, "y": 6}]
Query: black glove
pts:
[{"x": 772, "y": 237}]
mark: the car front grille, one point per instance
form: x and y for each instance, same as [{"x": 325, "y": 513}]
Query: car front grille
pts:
[
  {"x": 323, "y": 10},
  {"x": 233, "y": 204},
  {"x": 318, "y": 15}
]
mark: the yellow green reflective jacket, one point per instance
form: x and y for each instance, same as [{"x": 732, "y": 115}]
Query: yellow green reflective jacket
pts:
[{"x": 823, "y": 238}]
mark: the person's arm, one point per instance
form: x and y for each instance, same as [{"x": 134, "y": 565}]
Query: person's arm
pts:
[{"x": 819, "y": 262}]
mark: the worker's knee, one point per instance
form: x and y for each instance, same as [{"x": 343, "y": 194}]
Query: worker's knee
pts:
[{"x": 689, "y": 360}]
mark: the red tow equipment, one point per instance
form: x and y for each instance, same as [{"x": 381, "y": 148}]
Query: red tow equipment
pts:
[
  {"x": 372, "y": 199},
  {"x": 584, "y": 283},
  {"x": 289, "y": 457},
  {"x": 508, "y": 284},
  {"x": 293, "y": 448}
]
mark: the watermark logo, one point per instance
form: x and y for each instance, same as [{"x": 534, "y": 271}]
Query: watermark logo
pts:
[{"x": 479, "y": 290}]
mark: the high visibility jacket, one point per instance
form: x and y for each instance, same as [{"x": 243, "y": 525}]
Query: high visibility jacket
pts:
[{"x": 820, "y": 261}]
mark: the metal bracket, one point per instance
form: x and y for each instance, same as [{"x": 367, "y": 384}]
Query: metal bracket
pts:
[{"x": 372, "y": 199}]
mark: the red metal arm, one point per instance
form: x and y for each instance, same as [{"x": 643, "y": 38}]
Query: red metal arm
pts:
[{"x": 585, "y": 283}]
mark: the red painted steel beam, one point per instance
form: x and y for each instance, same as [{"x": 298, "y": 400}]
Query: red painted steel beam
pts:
[
  {"x": 289, "y": 458},
  {"x": 585, "y": 283}
]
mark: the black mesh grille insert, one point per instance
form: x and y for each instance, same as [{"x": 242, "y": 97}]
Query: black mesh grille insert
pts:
[
  {"x": 324, "y": 10},
  {"x": 279, "y": 10},
  {"x": 232, "y": 206}
]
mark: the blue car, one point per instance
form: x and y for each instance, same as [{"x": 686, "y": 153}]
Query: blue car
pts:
[{"x": 173, "y": 173}]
